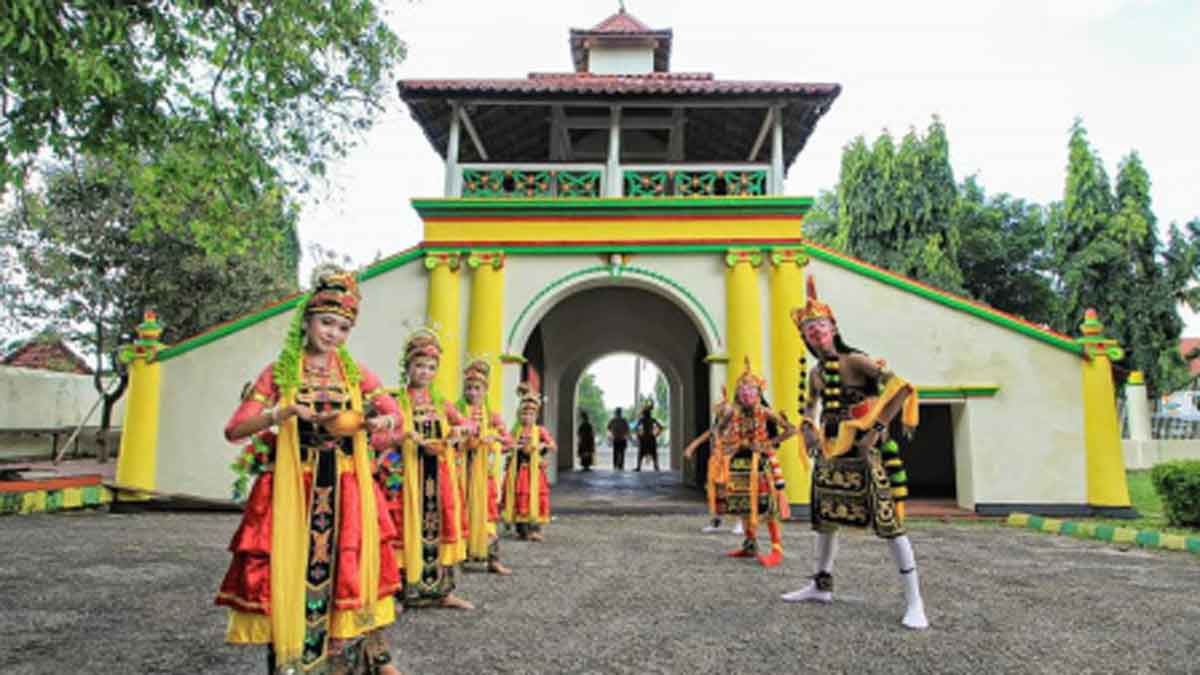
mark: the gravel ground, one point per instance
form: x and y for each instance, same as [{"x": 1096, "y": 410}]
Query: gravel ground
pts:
[{"x": 132, "y": 593}]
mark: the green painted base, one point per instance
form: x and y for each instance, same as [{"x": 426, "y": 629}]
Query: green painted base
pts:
[{"x": 1109, "y": 533}]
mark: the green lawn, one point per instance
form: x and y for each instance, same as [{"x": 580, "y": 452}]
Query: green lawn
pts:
[{"x": 1149, "y": 506}]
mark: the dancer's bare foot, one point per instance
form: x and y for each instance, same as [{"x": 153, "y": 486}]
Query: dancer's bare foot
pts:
[
  {"x": 454, "y": 602},
  {"x": 495, "y": 567},
  {"x": 536, "y": 536}
]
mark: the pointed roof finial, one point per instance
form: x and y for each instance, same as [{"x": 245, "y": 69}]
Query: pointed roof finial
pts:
[{"x": 622, "y": 5}]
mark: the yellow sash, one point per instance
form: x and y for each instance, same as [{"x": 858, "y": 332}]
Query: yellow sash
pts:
[
  {"x": 535, "y": 487},
  {"x": 476, "y": 483},
  {"x": 289, "y": 535},
  {"x": 413, "y": 513},
  {"x": 898, "y": 397}
]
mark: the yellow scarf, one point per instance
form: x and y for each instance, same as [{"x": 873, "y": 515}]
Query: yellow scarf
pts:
[
  {"x": 289, "y": 535},
  {"x": 413, "y": 514},
  {"x": 476, "y": 484},
  {"x": 535, "y": 486}
]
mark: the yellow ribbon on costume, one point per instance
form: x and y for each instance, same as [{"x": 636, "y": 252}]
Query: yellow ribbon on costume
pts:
[
  {"x": 289, "y": 543},
  {"x": 754, "y": 456},
  {"x": 898, "y": 397},
  {"x": 368, "y": 557},
  {"x": 535, "y": 472},
  {"x": 477, "y": 496}
]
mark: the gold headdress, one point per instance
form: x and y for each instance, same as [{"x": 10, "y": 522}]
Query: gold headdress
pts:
[
  {"x": 528, "y": 398},
  {"x": 477, "y": 370},
  {"x": 813, "y": 308},
  {"x": 423, "y": 341},
  {"x": 749, "y": 378},
  {"x": 335, "y": 291}
]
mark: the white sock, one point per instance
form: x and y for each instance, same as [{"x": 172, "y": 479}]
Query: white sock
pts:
[{"x": 906, "y": 563}]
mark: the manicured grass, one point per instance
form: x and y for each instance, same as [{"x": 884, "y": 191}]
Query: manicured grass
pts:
[{"x": 1149, "y": 506}]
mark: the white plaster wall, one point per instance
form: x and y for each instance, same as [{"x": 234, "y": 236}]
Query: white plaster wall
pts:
[
  {"x": 1026, "y": 444},
  {"x": 32, "y": 398},
  {"x": 1145, "y": 454},
  {"x": 200, "y": 388},
  {"x": 620, "y": 60}
]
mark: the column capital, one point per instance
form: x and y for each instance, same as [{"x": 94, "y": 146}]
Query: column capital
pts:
[
  {"x": 147, "y": 344},
  {"x": 451, "y": 259},
  {"x": 751, "y": 256},
  {"x": 785, "y": 256},
  {"x": 493, "y": 259},
  {"x": 1095, "y": 344}
]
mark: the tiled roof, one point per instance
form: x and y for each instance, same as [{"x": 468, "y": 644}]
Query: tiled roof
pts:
[
  {"x": 663, "y": 84},
  {"x": 1186, "y": 345},
  {"x": 52, "y": 355},
  {"x": 621, "y": 22}
]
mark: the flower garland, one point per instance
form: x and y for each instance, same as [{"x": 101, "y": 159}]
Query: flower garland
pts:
[{"x": 253, "y": 460}]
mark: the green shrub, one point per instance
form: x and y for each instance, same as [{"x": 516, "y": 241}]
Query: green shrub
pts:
[{"x": 1178, "y": 483}]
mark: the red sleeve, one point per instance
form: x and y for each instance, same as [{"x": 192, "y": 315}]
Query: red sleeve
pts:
[
  {"x": 453, "y": 415},
  {"x": 506, "y": 439},
  {"x": 257, "y": 398},
  {"x": 385, "y": 405},
  {"x": 547, "y": 439}
]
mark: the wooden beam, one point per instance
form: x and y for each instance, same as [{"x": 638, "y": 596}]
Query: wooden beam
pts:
[
  {"x": 762, "y": 134},
  {"x": 675, "y": 145},
  {"x": 613, "y": 170},
  {"x": 777, "y": 152},
  {"x": 452, "y": 177},
  {"x": 466, "y": 120},
  {"x": 627, "y": 122},
  {"x": 560, "y": 135}
]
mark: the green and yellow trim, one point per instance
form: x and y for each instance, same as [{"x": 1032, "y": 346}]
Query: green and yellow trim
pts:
[
  {"x": 26, "y": 497},
  {"x": 1110, "y": 533},
  {"x": 942, "y": 393}
]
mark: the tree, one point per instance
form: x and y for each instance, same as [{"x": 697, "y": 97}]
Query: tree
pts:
[
  {"x": 895, "y": 206},
  {"x": 662, "y": 398},
  {"x": 82, "y": 269},
  {"x": 590, "y": 399},
  {"x": 1003, "y": 256},
  {"x": 210, "y": 108}
]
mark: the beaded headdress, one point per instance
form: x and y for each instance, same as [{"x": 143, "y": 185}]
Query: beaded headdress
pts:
[
  {"x": 528, "y": 398},
  {"x": 477, "y": 370},
  {"x": 813, "y": 308},
  {"x": 423, "y": 341},
  {"x": 749, "y": 378},
  {"x": 335, "y": 291}
]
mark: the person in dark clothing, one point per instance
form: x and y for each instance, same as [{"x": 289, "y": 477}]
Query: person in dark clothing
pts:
[
  {"x": 587, "y": 442},
  {"x": 618, "y": 432},
  {"x": 648, "y": 430}
]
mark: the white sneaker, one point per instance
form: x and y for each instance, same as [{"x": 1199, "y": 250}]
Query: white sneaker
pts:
[
  {"x": 914, "y": 617},
  {"x": 737, "y": 528},
  {"x": 809, "y": 594},
  {"x": 709, "y": 529}
]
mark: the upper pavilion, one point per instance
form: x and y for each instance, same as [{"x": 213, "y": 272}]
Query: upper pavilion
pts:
[{"x": 622, "y": 124}]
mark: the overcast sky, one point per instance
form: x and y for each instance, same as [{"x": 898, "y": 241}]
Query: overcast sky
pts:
[{"x": 1006, "y": 77}]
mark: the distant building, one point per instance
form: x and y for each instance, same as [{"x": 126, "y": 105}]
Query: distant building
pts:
[{"x": 41, "y": 354}]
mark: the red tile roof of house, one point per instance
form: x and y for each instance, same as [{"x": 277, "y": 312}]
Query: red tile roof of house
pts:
[
  {"x": 47, "y": 355},
  {"x": 1186, "y": 345},
  {"x": 662, "y": 84},
  {"x": 621, "y": 22}
]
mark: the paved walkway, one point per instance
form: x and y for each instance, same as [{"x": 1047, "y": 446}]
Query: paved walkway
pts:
[{"x": 118, "y": 593}]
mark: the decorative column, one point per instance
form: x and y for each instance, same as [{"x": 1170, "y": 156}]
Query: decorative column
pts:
[
  {"x": 444, "y": 317},
  {"x": 485, "y": 326},
  {"x": 743, "y": 313},
  {"x": 787, "y": 351},
  {"x": 1107, "y": 490},
  {"x": 137, "y": 461},
  {"x": 1137, "y": 405}
]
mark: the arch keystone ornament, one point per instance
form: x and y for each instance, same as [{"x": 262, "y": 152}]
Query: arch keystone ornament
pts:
[
  {"x": 1107, "y": 489},
  {"x": 137, "y": 460}
]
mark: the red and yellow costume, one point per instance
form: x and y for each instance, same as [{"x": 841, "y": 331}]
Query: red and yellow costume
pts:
[
  {"x": 480, "y": 482},
  {"x": 312, "y": 558},
  {"x": 428, "y": 508},
  {"x": 754, "y": 488},
  {"x": 526, "y": 488}
]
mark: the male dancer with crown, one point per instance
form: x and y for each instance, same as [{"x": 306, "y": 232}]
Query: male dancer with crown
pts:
[{"x": 858, "y": 478}]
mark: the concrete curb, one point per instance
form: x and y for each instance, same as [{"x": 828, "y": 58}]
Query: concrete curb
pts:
[
  {"x": 1109, "y": 533},
  {"x": 51, "y": 500}
]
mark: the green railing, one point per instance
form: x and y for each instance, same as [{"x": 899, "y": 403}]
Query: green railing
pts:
[
  {"x": 706, "y": 181},
  {"x": 531, "y": 181}
]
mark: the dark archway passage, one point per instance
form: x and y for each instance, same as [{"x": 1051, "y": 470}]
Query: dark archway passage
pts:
[{"x": 600, "y": 320}]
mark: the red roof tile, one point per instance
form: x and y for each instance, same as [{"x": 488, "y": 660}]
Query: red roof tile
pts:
[
  {"x": 587, "y": 83},
  {"x": 621, "y": 22},
  {"x": 1186, "y": 345},
  {"x": 52, "y": 355}
]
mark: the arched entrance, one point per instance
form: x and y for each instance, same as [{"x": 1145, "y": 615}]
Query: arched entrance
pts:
[{"x": 583, "y": 325}]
